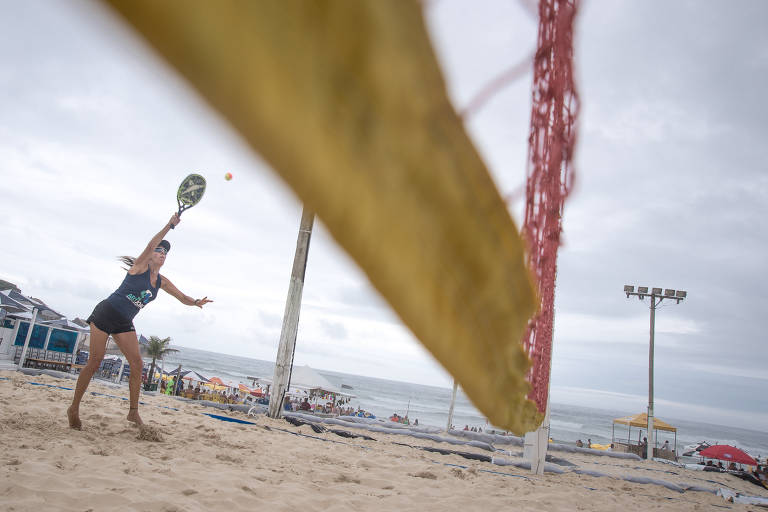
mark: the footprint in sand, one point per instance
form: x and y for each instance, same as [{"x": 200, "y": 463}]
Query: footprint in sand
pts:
[{"x": 346, "y": 479}]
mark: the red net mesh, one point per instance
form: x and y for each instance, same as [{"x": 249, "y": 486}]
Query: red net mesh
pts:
[{"x": 550, "y": 175}]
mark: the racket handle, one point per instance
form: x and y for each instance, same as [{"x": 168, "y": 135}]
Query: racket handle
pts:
[{"x": 178, "y": 215}]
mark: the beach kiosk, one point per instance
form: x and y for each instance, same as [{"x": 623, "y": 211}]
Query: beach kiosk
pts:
[{"x": 641, "y": 422}]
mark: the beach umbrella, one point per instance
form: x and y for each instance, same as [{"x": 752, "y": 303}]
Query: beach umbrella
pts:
[
  {"x": 216, "y": 383},
  {"x": 728, "y": 453}
]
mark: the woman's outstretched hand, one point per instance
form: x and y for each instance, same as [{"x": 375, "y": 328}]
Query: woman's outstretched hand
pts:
[{"x": 201, "y": 302}]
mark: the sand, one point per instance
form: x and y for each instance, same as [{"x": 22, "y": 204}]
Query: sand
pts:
[{"x": 187, "y": 461}]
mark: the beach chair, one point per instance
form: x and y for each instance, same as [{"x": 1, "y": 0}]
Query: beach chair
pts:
[
  {"x": 82, "y": 357},
  {"x": 105, "y": 368}
]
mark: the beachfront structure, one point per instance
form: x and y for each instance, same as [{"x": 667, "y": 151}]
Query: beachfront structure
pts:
[{"x": 33, "y": 333}]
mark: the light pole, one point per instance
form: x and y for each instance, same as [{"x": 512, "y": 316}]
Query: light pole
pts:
[{"x": 656, "y": 298}]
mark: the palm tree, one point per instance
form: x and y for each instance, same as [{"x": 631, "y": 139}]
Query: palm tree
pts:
[{"x": 156, "y": 349}]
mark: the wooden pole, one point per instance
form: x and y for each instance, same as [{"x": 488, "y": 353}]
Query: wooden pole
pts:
[{"x": 285, "y": 351}]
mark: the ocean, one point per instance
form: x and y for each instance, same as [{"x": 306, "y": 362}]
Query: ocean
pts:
[{"x": 429, "y": 404}]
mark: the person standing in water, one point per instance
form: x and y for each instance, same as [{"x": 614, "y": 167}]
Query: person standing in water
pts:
[{"x": 114, "y": 316}]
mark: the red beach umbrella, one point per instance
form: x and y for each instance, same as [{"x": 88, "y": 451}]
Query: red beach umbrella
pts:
[{"x": 728, "y": 453}]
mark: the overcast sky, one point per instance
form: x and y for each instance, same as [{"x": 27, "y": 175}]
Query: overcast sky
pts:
[{"x": 96, "y": 134}]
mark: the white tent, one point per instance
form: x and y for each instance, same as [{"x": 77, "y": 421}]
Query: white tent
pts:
[{"x": 304, "y": 377}]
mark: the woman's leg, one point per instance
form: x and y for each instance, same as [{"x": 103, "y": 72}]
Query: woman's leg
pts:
[
  {"x": 129, "y": 346},
  {"x": 98, "y": 344}
]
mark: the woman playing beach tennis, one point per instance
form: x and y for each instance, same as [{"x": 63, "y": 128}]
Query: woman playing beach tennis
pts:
[{"x": 114, "y": 316}]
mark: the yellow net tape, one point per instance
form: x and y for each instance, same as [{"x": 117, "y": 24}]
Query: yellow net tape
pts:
[{"x": 346, "y": 101}]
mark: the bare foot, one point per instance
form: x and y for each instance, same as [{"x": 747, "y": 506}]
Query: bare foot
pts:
[
  {"x": 74, "y": 418},
  {"x": 133, "y": 415}
]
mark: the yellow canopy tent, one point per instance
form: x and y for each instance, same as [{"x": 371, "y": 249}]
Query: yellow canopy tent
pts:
[{"x": 641, "y": 421}]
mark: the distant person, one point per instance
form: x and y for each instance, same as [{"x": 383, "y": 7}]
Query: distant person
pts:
[
  {"x": 665, "y": 446},
  {"x": 579, "y": 444},
  {"x": 169, "y": 386},
  {"x": 416, "y": 422},
  {"x": 644, "y": 447},
  {"x": 114, "y": 316},
  {"x": 466, "y": 427},
  {"x": 589, "y": 443},
  {"x": 304, "y": 406}
]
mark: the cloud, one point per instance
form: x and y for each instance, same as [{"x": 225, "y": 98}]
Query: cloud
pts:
[{"x": 335, "y": 330}]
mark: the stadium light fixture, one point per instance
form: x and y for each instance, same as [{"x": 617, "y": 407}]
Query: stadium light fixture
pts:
[{"x": 656, "y": 298}]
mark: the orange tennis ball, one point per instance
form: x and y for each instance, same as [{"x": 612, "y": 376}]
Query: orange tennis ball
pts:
[{"x": 228, "y": 176}]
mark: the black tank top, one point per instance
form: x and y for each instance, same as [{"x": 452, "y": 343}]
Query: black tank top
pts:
[{"x": 134, "y": 293}]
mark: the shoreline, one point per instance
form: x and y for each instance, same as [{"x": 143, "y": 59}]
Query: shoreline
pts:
[
  {"x": 600, "y": 435},
  {"x": 203, "y": 463}
]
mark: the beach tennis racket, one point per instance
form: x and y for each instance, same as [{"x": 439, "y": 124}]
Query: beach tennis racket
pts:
[{"x": 190, "y": 193}]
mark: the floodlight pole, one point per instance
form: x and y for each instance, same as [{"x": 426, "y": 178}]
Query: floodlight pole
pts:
[
  {"x": 676, "y": 295},
  {"x": 649, "y": 447}
]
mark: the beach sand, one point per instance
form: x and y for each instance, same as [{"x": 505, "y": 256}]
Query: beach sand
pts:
[{"x": 203, "y": 464}]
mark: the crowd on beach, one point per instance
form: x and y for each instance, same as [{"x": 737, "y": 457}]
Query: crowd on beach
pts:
[
  {"x": 175, "y": 387},
  {"x": 403, "y": 419},
  {"x": 304, "y": 405}
]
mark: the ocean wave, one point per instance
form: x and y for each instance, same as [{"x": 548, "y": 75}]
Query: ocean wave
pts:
[{"x": 566, "y": 425}]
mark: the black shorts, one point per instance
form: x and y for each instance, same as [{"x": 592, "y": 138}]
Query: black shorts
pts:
[{"x": 109, "y": 320}]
